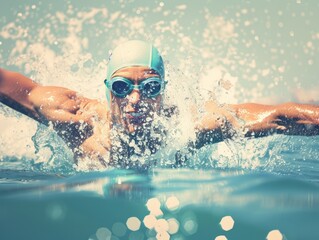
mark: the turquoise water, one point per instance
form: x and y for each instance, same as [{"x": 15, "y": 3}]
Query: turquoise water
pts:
[
  {"x": 233, "y": 51},
  {"x": 97, "y": 205}
]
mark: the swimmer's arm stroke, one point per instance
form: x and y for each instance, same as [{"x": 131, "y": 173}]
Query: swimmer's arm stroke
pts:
[
  {"x": 220, "y": 122},
  {"x": 15, "y": 91},
  {"x": 48, "y": 105}
]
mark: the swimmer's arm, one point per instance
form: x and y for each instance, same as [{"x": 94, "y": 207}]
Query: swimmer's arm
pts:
[
  {"x": 288, "y": 118},
  {"x": 15, "y": 90},
  {"x": 219, "y": 122},
  {"x": 59, "y": 107},
  {"x": 42, "y": 103},
  {"x": 213, "y": 123}
]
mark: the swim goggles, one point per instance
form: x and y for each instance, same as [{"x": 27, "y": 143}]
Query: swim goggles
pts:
[{"x": 150, "y": 87}]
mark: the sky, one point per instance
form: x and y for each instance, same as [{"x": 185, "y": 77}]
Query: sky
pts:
[{"x": 234, "y": 51}]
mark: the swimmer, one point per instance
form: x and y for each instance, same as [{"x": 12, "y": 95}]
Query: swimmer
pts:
[{"x": 99, "y": 132}]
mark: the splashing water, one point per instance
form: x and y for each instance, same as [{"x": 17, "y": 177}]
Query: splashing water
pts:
[
  {"x": 218, "y": 55},
  {"x": 231, "y": 52}
]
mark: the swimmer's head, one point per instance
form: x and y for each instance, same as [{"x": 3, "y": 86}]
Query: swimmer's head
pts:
[{"x": 135, "y": 74}]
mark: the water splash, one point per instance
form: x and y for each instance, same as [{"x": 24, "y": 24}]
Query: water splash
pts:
[
  {"x": 223, "y": 52},
  {"x": 52, "y": 154}
]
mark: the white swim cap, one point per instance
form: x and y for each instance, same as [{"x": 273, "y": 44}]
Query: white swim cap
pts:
[{"x": 135, "y": 53}]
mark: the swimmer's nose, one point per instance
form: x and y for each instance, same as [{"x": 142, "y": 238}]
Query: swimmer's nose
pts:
[{"x": 134, "y": 97}]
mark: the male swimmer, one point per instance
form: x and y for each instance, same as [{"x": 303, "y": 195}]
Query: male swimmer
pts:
[{"x": 101, "y": 133}]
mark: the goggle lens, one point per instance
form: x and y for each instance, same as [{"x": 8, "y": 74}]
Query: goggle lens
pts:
[
  {"x": 121, "y": 87},
  {"x": 152, "y": 88}
]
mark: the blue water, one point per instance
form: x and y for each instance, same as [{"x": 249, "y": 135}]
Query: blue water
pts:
[
  {"x": 38, "y": 204},
  {"x": 266, "y": 50}
]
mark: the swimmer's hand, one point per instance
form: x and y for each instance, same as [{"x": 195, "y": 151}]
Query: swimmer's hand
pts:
[
  {"x": 83, "y": 123},
  {"x": 297, "y": 125}
]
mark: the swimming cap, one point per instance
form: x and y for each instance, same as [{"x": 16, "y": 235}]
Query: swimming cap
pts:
[{"x": 135, "y": 53}]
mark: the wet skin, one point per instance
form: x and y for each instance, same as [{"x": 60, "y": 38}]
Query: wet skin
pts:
[{"x": 85, "y": 124}]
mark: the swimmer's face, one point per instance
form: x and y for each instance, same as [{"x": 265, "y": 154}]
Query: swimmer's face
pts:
[{"x": 135, "y": 111}]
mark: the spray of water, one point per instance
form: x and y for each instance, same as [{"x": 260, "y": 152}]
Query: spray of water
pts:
[{"x": 69, "y": 46}]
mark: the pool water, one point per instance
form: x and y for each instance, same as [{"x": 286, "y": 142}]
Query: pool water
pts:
[{"x": 193, "y": 202}]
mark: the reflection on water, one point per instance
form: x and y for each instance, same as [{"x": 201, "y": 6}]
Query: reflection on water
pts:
[
  {"x": 162, "y": 204},
  {"x": 227, "y": 223}
]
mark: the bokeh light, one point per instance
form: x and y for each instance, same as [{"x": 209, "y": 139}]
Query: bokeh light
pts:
[
  {"x": 133, "y": 223},
  {"x": 172, "y": 203},
  {"x": 173, "y": 225},
  {"x": 149, "y": 221},
  {"x": 163, "y": 236},
  {"x": 161, "y": 225},
  {"x": 275, "y": 235},
  {"x": 119, "y": 229},
  {"x": 103, "y": 234},
  {"x": 227, "y": 223},
  {"x": 221, "y": 237},
  {"x": 153, "y": 205}
]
